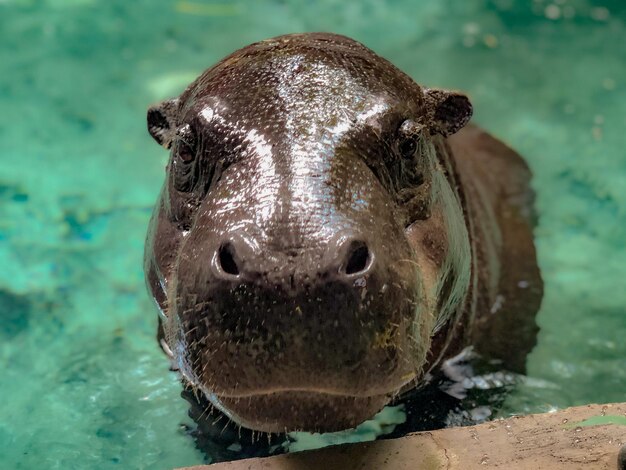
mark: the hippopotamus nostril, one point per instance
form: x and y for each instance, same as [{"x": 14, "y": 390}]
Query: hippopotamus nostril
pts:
[
  {"x": 357, "y": 258},
  {"x": 232, "y": 260},
  {"x": 227, "y": 260}
]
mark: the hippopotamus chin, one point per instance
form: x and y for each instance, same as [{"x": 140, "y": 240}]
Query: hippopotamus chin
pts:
[{"x": 317, "y": 247}]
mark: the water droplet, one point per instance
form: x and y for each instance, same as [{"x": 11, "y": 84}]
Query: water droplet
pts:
[
  {"x": 608, "y": 84},
  {"x": 600, "y": 14},
  {"x": 596, "y": 132},
  {"x": 552, "y": 12},
  {"x": 490, "y": 41},
  {"x": 578, "y": 429},
  {"x": 471, "y": 28}
]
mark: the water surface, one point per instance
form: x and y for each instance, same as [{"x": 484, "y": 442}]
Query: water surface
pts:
[{"x": 84, "y": 384}]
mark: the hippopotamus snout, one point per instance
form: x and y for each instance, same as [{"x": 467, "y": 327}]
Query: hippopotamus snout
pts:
[
  {"x": 294, "y": 332},
  {"x": 240, "y": 259},
  {"x": 295, "y": 304}
]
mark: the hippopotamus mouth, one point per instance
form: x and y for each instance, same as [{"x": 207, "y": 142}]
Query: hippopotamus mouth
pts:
[
  {"x": 287, "y": 410},
  {"x": 287, "y": 354}
]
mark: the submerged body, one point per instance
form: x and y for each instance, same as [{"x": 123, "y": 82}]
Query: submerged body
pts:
[{"x": 329, "y": 232}]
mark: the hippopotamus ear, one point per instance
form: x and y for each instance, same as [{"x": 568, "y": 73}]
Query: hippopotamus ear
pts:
[
  {"x": 162, "y": 121},
  {"x": 448, "y": 111}
]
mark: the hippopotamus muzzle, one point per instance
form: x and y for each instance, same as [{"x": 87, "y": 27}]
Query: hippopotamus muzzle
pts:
[{"x": 300, "y": 249}]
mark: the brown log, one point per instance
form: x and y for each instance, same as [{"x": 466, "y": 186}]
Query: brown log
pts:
[{"x": 584, "y": 437}]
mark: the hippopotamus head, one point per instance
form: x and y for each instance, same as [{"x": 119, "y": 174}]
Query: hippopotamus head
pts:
[{"x": 307, "y": 242}]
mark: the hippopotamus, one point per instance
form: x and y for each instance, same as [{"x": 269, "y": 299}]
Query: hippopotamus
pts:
[{"x": 330, "y": 232}]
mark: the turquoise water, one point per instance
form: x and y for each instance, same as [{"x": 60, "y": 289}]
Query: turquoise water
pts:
[{"x": 83, "y": 382}]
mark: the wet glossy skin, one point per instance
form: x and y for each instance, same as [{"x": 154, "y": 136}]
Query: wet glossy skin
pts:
[{"x": 309, "y": 252}]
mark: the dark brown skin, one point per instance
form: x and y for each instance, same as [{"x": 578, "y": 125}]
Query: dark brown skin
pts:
[{"x": 329, "y": 232}]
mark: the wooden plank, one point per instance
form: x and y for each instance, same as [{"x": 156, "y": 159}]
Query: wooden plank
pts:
[{"x": 584, "y": 437}]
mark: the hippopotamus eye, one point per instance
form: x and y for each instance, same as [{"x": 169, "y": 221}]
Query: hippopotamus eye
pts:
[
  {"x": 185, "y": 150},
  {"x": 410, "y": 135},
  {"x": 186, "y": 144},
  {"x": 407, "y": 147}
]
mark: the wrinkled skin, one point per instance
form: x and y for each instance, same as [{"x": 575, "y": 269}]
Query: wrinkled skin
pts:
[{"x": 328, "y": 233}]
